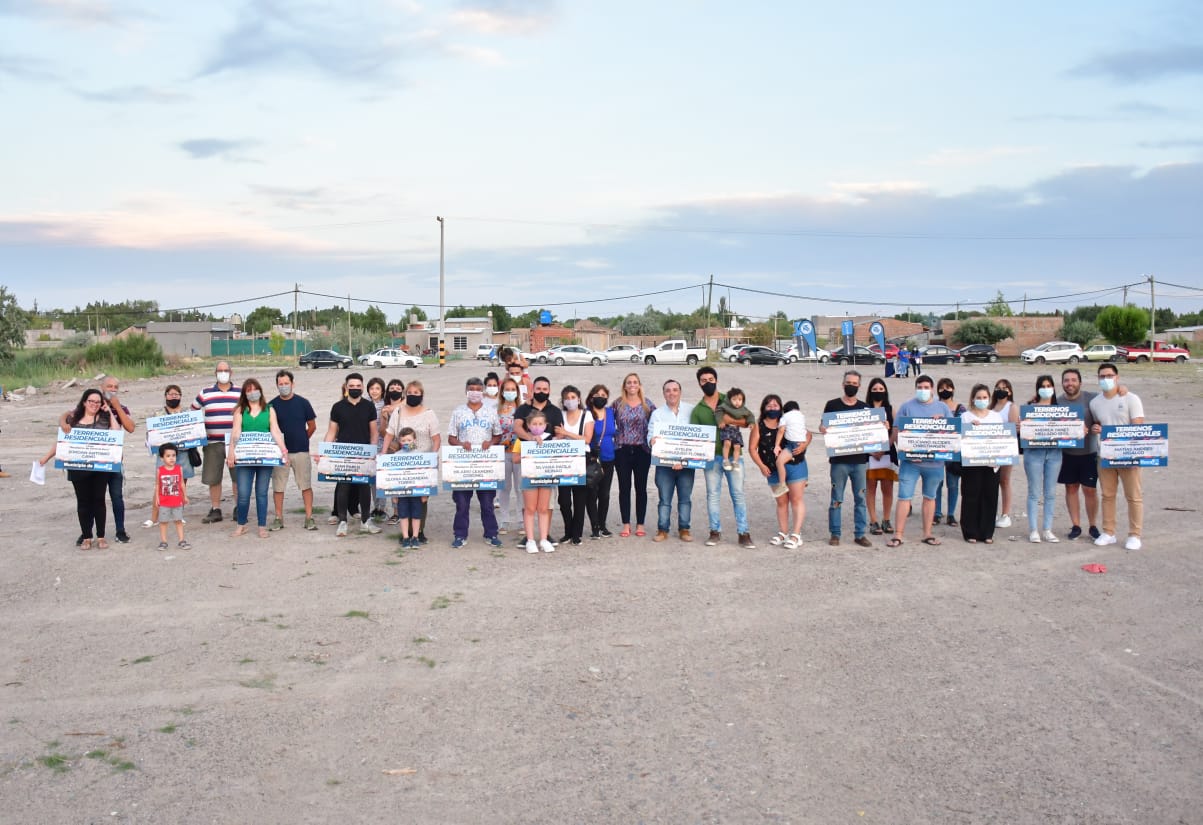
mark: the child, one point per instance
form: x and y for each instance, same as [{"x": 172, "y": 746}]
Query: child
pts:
[
  {"x": 170, "y": 495},
  {"x": 536, "y": 503},
  {"x": 409, "y": 508},
  {"x": 733, "y": 412},
  {"x": 791, "y": 434}
]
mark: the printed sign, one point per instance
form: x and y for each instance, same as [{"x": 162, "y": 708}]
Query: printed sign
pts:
[
  {"x": 879, "y": 335},
  {"x": 559, "y": 463},
  {"x": 87, "y": 449},
  {"x": 257, "y": 450},
  {"x": 988, "y": 445},
  {"x": 691, "y": 445},
  {"x": 928, "y": 439},
  {"x": 346, "y": 463},
  {"x": 407, "y": 474},
  {"x": 1051, "y": 426},
  {"x": 1133, "y": 445},
  {"x": 185, "y": 430},
  {"x": 852, "y": 432},
  {"x": 473, "y": 469}
]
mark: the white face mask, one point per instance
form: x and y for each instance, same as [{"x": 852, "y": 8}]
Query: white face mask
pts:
[
  {"x": 223, "y": 377},
  {"x": 491, "y": 392}
]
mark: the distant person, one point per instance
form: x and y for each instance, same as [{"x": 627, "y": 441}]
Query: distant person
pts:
[
  {"x": 904, "y": 362},
  {"x": 946, "y": 391},
  {"x": 474, "y": 426},
  {"x": 847, "y": 470},
  {"x": 1112, "y": 408},
  {"x": 109, "y": 390},
  {"x": 1042, "y": 465},
  {"x": 923, "y": 405},
  {"x": 297, "y": 422},
  {"x": 1003, "y": 403},
  {"x": 353, "y": 421},
  {"x": 173, "y": 397},
  {"x": 90, "y": 413},
  {"x": 427, "y": 433},
  {"x": 704, "y": 412},
  {"x": 601, "y": 448},
  {"x": 218, "y": 403},
  {"x": 536, "y": 502},
  {"x": 1080, "y": 465},
  {"x": 632, "y": 457},
  {"x": 510, "y": 495},
  {"x": 375, "y": 389},
  {"x": 253, "y": 415},
  {"x": 170, "y": 496},
  {"x": 540, "y": 401},
  {"x": 409, "y": 508},
  {"x": 762, "y": 446},
  {"x": 979, "y": 485},
  {"x": 672, "y": 479},
  {"x": 733, "y": 415},
  {"x": 577, "y": 426},
  {"x": 883, "y": 466}
]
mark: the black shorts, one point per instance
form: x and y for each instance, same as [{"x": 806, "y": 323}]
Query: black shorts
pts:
[{"x": 1079, "y": 469}]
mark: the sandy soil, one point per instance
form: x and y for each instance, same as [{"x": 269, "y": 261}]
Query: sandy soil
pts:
[{"x": 304, "y": 678}]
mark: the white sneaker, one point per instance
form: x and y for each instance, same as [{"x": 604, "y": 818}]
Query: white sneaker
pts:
[
  {"x": 1003, "y": 521},
  {"x": 368, "y": 526},
  {"x": 342, "y": 529},
  {"x": 1104, "y": 539},
  {"x": 1050, "y": 536},
  {"x": 1034, "y": 538},
  {"x": 531, "y": 547},
  {"x": 546, "y": 546},
  {"x": 1133, "y": 543}
]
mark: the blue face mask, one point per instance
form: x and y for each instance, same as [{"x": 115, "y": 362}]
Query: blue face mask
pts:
[
  {"x": 923, "y": 395},
  {"x": 982, "y": 403},
  {"x": 1045, "y": 392},
  {"x": 1106, "y": 384}
]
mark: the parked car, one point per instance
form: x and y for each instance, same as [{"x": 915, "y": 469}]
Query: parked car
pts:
[
  {"x": 571, "y": 354},
  {"x": 761, "y": 355},
  {"x": 390, "y": 358},
  {"x": 1053, "y": 352},
  {"x": 673, "y": 352},
  {"x": 731, "y": 353},
  {"x": 623, "y": 352},
  {"x": 484, "y": 352},
  {"x": 1101, "y": 352},
  {"x": 1160, "y": 352},
  {"x": 324, "y": 358},
  {"x": 891, "y": 350},
  {"x": 939, "y": 354},
  {"x": 861, "y": 355},
  {"x": 985, "y": 353},
  {"x": 819, "y": 355}
]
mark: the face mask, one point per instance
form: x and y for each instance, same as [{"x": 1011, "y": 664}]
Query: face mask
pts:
[
  {"x": 1106, "y": 384},
  {"x": 599, "y": 402},
  {"x": 709, "y": 389},
  {"x": 772, "y": 414},
  {"x": 877, "y": 395},
  {"x": 1000, "y": 395},
  {"x": 108, "y": 396},
  {"x": 1045, "y": 392},
  {"x": 407, "y": 446},
  {"x": 981, "y": 403},
  {"x": 571, "y": 404},
  {"x": 285, "y": 390},
  {"x": 413, "y": 400},
  {"x": 172, "y": 403},
  {"x": 538, "y": 429},
  {"x": 945, "y": 394},
  {"x": 395, "y": 395},
  {"x": 223, "y": 377},
  {"x": 509, "y": 395},
  {"x": 850, "y": 391},
  {"x": 475, "y": 396},
  {"x": 491, "y": 392},
  {"x": 354, "y": 393},
  {"x": 541, "y": 397},
  {"x": 254, "y": 395},
  {"x": 923, "y": 395}
]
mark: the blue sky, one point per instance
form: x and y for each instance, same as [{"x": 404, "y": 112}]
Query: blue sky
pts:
[{"x": 826, "y": 154}]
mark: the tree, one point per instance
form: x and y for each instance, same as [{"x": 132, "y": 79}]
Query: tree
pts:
[
  {"x": 760, "y": 334},
  {"x": 639, "y": 325},
  {"x": 416, "y": 311},
  {"x": 13, "y": 323},
  {"x": 261, "y": 318},
  {"x": 1079, "y": 332},
  {"x": 911, "y": 317},
  {"x": 1123, "y": 325},
  {"x": 981, "y": 331},
  {"x": 998, "y": 308},
  {"x": 372, "y": 319},
  {"x": 276, "y": 342}
]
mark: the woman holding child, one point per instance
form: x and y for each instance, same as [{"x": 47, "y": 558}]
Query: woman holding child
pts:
[{"x": 763, "y": 449}]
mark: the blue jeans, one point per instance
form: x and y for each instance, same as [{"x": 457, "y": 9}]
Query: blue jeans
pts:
[
  {"x": 463, "y": 506},
  {"x": 117, "y": 499},
  {"x": 714, "y": 492},
  {"x": 262, "y": 478},
  {"x": 1041, "y": 467},
  {"x": 953, "y": 482},
  {"x": 841, "y": 473},
  {"x": 669, "y": 481}
]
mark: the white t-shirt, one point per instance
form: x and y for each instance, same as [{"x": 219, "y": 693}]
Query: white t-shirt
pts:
[
  {"x": 1116, "y": 410},
  {"x": 794, "y": 423}
]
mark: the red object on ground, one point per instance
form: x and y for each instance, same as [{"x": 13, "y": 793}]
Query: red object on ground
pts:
[{"x": 1095, "y": 568}]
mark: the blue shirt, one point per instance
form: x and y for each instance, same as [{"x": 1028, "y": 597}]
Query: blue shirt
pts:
[
  {"x": 603, "y": 435},
  {"x": 292, "y": 416},
  {"x": 913, "y": 408}
]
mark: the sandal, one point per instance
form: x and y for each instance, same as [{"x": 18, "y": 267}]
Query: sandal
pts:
[
  {"x": 626, "y": 532},
  {"x": 793, "y": 542},
  {"x": 262, "y": 532},
  {"x": 639, "y": 531},
  {"x": 971, "y": 541},
  {"x": 101, "y": 544},
  {"x": 932, "y": 540},
  {"x": 894, "y": 542},
  {"x": 778, "y": 539},
  {"x": 85, "y": 544},
  {"x": 241, "y": 531},
  {"x": 875, "y": 528},
  {"x": 989, "y": 541}
]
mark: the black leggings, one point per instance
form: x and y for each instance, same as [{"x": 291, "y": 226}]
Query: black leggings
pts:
[
  {"x": 346, "y": 496},
  {"x": 90, "y": 488},
  {"x": 630, "y": 460},
  {"x": 572, "y": 508},
  {"x": 597, "y": 499}
]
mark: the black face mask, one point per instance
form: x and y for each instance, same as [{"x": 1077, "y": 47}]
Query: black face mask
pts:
[
  {"x": 709, "y": 389},
  {"x": 395, "y": 395},
  {"x": 414, "y": 400},
  {"x": 541, "y": 397},
  {"x": 944, "y": 394},
  {"x": 354, "y": 393},
  {"x": 1000, "y": 395},
  {"x": 772, "y": 414},
  {"x": 850, "y": 391},
  {"x": 599, "y": 402},
  {"x": 172, "y": 403},
  {"x": 877, "y": 395}
]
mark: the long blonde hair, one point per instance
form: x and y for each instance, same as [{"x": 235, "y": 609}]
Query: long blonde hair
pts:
[{"x": 622, "y": 396}]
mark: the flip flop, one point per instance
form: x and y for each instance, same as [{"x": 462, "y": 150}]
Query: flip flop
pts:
[
  {"x": 971, "y": 541},
  {"x": 894, "y": 542},
  {"x": 640, "y": 531},
  {"x": 626, "y": 532},
  {"x": 932, "y": 540},
  {"x": 101, "y": 544},
  {"x": 86, "y": 544}
]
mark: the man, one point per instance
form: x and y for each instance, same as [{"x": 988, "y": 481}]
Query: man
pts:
[
  {"x": 845, "y": 468},
  {"x": 353, "y": 421},
  {"x": 703, "y": 413},
  {"x": 1111, "y": 408},
  {"x": 923, "y": 405},
  {"x": 540, "y": 399},
  {"x": 674, "y": 478},
  {"x": 298, "y": 423},
  {"x": 1080, "y": 465},
  {"x": 474, "y": 425},
  {"x": 110, "y": 387},
  {"x": 218, "y": 403}
]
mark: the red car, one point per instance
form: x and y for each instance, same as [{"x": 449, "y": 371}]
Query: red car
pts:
[{"x": 891, "y": 350}]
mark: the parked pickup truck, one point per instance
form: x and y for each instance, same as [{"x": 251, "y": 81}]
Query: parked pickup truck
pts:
[
  {"x": 673, "y": 352},
  {"x": 1160, "y": 352}
]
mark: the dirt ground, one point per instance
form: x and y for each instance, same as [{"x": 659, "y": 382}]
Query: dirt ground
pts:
[{"x": 305, "y": 678}]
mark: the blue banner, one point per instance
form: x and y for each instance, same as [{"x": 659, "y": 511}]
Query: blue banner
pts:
[
  {"x": 848, "y": 330},
  {"x": 879, "y": 335},
  {"x": 805, "y": 331}
]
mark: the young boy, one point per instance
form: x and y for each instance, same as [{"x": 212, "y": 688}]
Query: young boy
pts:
[
  {"x": 732, "y": 412},
  {"x": 791, "y": 434},
  {"x": 170, "y": 496},
  {"x": 409, "y": 509}
]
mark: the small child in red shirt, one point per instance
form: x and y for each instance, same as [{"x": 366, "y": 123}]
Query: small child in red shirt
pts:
[{"x": 170, "y": 495}]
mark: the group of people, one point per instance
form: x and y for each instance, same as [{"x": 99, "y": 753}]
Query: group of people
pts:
[{"x": 619, "y": 432}]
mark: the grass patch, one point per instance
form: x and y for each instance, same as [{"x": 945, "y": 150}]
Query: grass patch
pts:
[
  {"x": 426, "y": 661},
  {"x": 168, "y": 728},
  {"x": 265, "y": 682},
  {"x": 440, "y": 603},
  {"x": 497, "y": 554},
  {"x": 471, "y": 569},
  {"x": 245, "y": 661},
  {"x": 333, "y": 782},
  {"x": 141, "y": 660},
  {"x": 121, "y": 765},
  {"x": 356, "y": 614},
  {"x": 97, "y": 755},
  {"x": 56, "y": 762},
  {"x": 421, "y": 640}
]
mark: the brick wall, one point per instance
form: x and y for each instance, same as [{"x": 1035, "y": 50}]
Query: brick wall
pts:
[{"x": 1026, "y": 333}]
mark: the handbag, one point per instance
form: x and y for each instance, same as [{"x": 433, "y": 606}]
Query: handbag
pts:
[
  {"x": 194, "y": 457},
  {"x": 593, "y": 472}
]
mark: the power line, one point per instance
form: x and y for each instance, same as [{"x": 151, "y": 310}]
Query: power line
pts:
[{"x": 963, "y": 302}]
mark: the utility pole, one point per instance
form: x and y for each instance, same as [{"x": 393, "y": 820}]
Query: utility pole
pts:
[
  {"x": 442, "y": 302},
  {"x": 1153, "y": 314},
  {"x": 709, "y": 297},
  {"x": 1125, "y": 294},
  {"x": 1025, "y": 303},
  {"x": 349, "y": 352},
  {"x": 296, "y": 293}
]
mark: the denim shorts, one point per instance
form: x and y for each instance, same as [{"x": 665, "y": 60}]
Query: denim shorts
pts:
[
  {"x": 909, "y": 474},
  {"x": 793, "y": 472}
]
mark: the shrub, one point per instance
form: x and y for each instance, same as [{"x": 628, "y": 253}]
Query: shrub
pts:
[{"x": 130, "y": 351}]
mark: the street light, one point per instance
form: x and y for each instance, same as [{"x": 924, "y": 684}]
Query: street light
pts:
[{"x": 442, "y": 304}]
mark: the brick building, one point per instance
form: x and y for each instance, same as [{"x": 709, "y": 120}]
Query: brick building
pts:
[{"x": 1026, "y": 332}]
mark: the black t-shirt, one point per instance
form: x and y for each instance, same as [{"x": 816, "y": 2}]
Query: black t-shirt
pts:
[
  {"x": 838, "y": 405},
  {"x": 555, "y": 418},
  {"x": 354, "y": 421}
]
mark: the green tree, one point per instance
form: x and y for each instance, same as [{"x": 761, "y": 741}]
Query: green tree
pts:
[
  {"x": 1123, "y": 325},
  {"x": 372, "y": 319},
  {"x": 998, "y": 308},
  {"x": 13, "y": 323},
  {"x": 261, "y": 318},
  {"x": 912, "y": 317},
  {"x": 639, "y": 325},
  {"x": 760, "y": 334},
  {"x": 1079, "y": 332},
  {"x": 980, "y": 331},
  {"x": 276, "y": 342},
  {"x": 417, "y": 312}
]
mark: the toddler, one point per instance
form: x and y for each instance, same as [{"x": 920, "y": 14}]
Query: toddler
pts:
[
  {"x": 170, "y": 495},
  {"x": 791, "y": 434},
  {"x": 409, "y": 508},
  {"x": 733, "y": 411}
]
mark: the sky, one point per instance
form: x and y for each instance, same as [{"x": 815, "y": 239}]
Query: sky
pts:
[{"x": 598, "y": 157}]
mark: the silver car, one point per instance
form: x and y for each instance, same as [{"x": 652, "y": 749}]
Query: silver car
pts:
[
  {"x": 390, "y": 358},
  {"x": 571, "y": 354}
]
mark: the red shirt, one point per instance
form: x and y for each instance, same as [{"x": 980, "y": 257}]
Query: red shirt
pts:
[{"x": 171, "y": 486}]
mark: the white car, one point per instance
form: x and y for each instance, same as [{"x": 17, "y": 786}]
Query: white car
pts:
[
  {"x": 623, "y": 352},
  {"x": 818, "y": 355},
  {"x": 1054, "y": 352},
  {"x": 1101, "y": 352},
  {"x": 571, "y": 354},
  {"x": 484, "y": 351},
  {"x": 390, "y": 358},
  {"x": 731, "y": 353}
]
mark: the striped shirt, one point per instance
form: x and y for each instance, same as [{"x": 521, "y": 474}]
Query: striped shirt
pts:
[{"x": 218, "y": 405}]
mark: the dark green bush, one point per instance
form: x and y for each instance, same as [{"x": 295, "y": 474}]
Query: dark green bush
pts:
[{"x": 135, "y": 349}]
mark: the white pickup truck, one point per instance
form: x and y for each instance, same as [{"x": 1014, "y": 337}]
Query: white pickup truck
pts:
[{"x": 673, "y": 352}]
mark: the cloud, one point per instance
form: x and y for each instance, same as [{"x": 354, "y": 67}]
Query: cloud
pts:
[
  {"x": 1172, "y": 143},
  {"x": 23, "y": 67},
  {"x": 80, "y": 13},
  {"x": 312, "y": 198},
  {"x": 1128, "y": 110},
  {"x": 133, "y": 94},
  {"x": 1143, "y": 65},
  {"x": 230, "y": 150},
  {"x": 592, "y": 263},
  {"x": 504, "y": 16},
  {"x": 976, "y": 157}
]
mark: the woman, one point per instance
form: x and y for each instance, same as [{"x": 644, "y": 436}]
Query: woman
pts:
[
  {"x": 536, "y": 503},
  {"x": 425, "y": 425},
  {"x": 883, "y": 466},
  {"x": 90, "y": 485},
  {"x": 253, "y": 415},
  {"x": 1042, "y": 465},
  {"x": 601, "y": 448},
  {"x": 394, "y": 399},
  {"x": 172, "y": 398},
  {"x": 376, "y": 392},
  {"x": 760, "y": 447},
  {"x": 945, "y": 389},
  {"x": 632, "y": 457},
  {"x": 511, "y": 488},
  {"x": 492, "y": 390},
  {"x": 578, "y": 426},
  {"x": 979, "y": 485},
  {"x": 1004, "y": 396}
]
